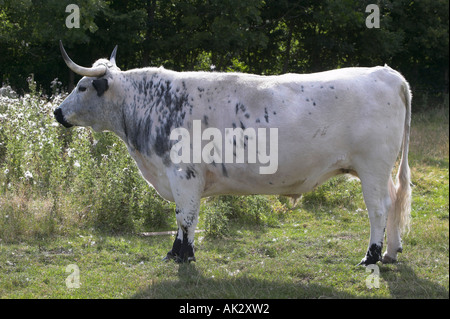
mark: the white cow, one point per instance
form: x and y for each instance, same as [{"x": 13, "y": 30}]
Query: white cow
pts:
[{"x": 313, "y": 126}]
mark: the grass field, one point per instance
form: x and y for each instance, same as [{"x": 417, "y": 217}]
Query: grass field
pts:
[{"x": 307, "y": 251}]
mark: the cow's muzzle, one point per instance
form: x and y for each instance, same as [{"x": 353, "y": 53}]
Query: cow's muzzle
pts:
[{"x": 60, "y": 118}]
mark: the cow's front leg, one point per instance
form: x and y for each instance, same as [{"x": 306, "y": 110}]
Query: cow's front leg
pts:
[{"x": 187, "y": 186}]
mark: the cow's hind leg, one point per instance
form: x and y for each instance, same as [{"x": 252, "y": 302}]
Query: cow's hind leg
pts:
[
  {"x": 378, "y": 202},
  {"x": 393, "y": 231}
]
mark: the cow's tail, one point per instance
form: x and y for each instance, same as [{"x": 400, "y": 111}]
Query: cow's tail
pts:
[{"x": 402, "y": 216}]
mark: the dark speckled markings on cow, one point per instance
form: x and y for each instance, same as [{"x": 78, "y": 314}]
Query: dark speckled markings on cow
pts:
[
  {"x": 156, "y": 106},
  {"x": 229, "y": 148},
  {"x": 199, "y": 134}
]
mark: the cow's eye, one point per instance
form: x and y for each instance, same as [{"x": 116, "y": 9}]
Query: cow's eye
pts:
[{"x": 82, "y": 88}]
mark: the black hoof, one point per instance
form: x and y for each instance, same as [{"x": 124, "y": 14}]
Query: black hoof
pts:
[
  {"x": 180, "y": 260},
  {"x": 388, "y": 260},
  {"x": 182, "y": 250},
  {"x": 366, "y": 262},
  {"x": 170, "y": 256},
  {"x": 373, "y": 255}
]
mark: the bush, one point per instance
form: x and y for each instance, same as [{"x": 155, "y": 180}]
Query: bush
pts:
[
  {"x": 254, "y": 209},
  {"x": 216, "y": 218},
  {"x": 221, "y": 211}
]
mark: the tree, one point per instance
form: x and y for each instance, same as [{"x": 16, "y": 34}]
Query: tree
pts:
[
  {"x": 257, "y": 36},
  {"x": 30, "y": 31},
  {"x": 424, "y": 55}
]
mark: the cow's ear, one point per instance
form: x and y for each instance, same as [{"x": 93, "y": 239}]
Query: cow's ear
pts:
[{"x": 100, "y": 85}]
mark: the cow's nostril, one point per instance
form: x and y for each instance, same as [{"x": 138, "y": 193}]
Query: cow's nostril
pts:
[{"x": 60, "y": 118}]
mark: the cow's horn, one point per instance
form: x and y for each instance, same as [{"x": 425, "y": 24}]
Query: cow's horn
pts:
[
  {"x": 93, "y": 72},
  {"x": 112, "y": 59}
]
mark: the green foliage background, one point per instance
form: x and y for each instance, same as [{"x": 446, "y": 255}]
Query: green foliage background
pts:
[{"x": 258, "y": 36}]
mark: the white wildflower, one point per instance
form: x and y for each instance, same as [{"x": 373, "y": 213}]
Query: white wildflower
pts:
[
  {"x": 28, "y": 175},
  {"x": 234, "y": 273}
]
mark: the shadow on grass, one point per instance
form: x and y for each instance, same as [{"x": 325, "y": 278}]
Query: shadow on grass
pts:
[
  {"x": 192, "y": 284},
  {"x": 402, "y": 282}
]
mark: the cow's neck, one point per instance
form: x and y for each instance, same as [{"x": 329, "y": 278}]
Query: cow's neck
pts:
[{"x": 154, "y": 104}]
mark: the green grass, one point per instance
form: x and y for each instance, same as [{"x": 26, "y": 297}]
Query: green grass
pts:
[
  {"x": 256, "y": 247},
  {"x": 310, "y": 255}
]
